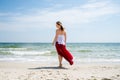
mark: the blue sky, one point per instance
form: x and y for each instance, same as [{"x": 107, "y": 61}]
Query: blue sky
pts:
[{"x": 84, "y": 20}]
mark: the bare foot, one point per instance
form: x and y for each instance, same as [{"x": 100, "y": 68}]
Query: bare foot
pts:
[{"x": 60, "y": 65}]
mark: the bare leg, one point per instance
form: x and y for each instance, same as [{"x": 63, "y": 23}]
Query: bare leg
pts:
[{"x": 60, "y": 60}]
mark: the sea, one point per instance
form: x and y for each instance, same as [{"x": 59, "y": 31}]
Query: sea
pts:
[{"x": 46, "y": 52}]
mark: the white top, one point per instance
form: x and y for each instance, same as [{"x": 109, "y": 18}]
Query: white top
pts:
[{"x": 61, "y": 39}]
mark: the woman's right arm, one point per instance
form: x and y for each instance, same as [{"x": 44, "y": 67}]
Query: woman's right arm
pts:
[{"x": 55, "y": 38}]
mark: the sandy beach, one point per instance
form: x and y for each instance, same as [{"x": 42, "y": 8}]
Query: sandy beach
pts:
[{"x": 50, "y": 71}]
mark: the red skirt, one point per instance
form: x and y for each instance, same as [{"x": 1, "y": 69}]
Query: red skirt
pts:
[{"x": 62, "y": 51}]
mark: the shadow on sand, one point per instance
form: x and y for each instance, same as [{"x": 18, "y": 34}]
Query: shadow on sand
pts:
[{"x": 48, "y": 68}]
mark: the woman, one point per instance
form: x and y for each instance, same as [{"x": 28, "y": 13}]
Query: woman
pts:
[{"x": 60, "y": 43}]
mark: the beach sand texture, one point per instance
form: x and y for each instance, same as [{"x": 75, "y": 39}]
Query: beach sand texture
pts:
[{"x": 50, "y": 71}]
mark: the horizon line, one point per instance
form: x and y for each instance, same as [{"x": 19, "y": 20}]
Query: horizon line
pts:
[{"x": 67, "y": 42}]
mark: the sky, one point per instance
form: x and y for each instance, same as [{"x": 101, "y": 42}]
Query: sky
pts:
[{"x": 84, "y": 20}]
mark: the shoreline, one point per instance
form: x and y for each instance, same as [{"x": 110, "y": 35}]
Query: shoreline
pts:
[
  {"x": 76, "y": 61},
  {"x": 51, "y": 71}
]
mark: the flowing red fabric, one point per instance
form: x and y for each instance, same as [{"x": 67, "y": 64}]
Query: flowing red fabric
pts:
[{"x": 62, "y": 51}]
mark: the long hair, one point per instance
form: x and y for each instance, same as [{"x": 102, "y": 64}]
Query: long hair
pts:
[{"x": 60, "y": 24}]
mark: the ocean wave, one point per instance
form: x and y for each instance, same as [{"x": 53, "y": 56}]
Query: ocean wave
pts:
[
  {"x": 31, "y": 53},
  {"x": 98, "y": 50},
  {"x": 51, "y": 53},
  {"x": 9, "y": 46},
  {"x": 85, "y": 51},
  {"x": 5, "y": 53},
  {"x": 13, "y": 49}
]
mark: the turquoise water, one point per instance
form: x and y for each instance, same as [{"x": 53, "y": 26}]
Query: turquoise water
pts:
[{"x": 82, "y": 52}]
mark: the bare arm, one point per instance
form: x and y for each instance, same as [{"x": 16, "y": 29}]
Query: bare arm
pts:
[
  {"x": 55, "y": 38},
  {"x": 65, "y": 37}
]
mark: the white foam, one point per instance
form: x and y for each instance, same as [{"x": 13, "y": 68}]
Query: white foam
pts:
[
  {"x": 13, "y": 49},
  {"x": 29, "y": 52},
  {"x": 30, "y": 58}
]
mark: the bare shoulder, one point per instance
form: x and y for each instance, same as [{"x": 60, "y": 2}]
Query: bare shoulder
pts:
[
  {"x": 57, "y": 31},
  {"x": 64, "y": 32}
]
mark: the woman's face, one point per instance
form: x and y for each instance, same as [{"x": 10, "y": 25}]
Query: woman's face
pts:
[{"x": 58, "y": 26}]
